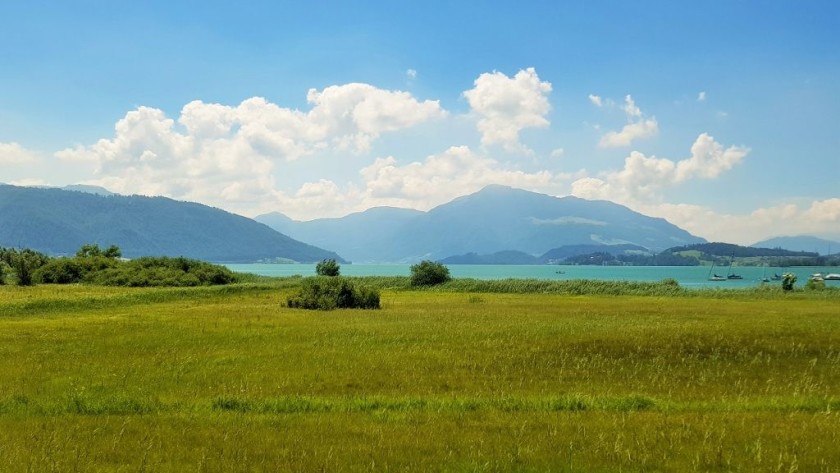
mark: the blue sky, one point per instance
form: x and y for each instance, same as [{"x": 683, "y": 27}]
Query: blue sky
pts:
[{"x": 720, "y": 116}]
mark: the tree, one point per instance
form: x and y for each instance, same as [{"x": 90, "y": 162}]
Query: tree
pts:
[
  {"x": 2, "y": 272},
  {"x": 24, "y": 271},
  {"x": 429, "y": 273},
  {"x": 89, "y": 250},
  {"x": 327, "y": 267},
  {"x": 787, "y": 281},
  {"x": 112, "y": 252}
]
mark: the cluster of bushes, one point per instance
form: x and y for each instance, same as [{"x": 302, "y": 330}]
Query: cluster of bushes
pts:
[
  {"x": 164, "y": 271},
  {"x": 328, "y": 293},
  {"x": 97, "y": 266},
  {"x": 20, "y": 263}
]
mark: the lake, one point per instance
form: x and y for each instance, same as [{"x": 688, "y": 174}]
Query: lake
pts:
[{"x": 688, "y": 276}]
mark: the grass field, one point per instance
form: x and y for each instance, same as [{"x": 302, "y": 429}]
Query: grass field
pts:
[{"x": 227, "y": 379}]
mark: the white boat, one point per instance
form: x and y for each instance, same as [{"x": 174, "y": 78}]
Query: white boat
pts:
[{"x": 832, "y": 277}]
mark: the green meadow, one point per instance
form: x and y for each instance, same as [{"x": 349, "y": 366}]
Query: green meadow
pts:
[{"x": 468, "y": 377}]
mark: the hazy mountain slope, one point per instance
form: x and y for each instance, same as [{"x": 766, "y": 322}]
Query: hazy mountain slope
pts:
[
  {"x": 363, "y": 237},
  {"x": 495, "y": 219},
  {"x": 801, "y": 243},
  {"x": 501, "y": 218},
  {"x": 57, "y": 221}
]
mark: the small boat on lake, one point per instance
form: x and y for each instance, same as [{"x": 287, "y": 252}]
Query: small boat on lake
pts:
[
  {"x": 715, "y": 276},
  {"x": 832, "y": 277},
  {"x": 730, "y": 274}
]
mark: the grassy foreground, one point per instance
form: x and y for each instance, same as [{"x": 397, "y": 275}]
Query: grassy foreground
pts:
[{"x": 227, "y": 379}]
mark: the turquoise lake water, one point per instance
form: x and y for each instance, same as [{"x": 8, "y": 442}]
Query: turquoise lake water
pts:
[{"x": 688, "y": 276}]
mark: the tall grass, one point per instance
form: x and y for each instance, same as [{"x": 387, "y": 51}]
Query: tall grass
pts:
[{"x": 228, "y": 379}]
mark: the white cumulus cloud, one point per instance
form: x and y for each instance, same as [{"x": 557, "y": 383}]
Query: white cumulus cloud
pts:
[
  {"x": 820, "y": 217},
  {"x": 14, "y": 154},
  {"x": 226, "y": 155},
  {"x": 507, "y": 105},
  {"x": 642, "y": 177},
  {"x": 596, "y": 100},
  {"x": 638, "y": 126}
]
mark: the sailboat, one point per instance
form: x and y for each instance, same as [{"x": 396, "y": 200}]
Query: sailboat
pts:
[
  {"x": 764, "y": 277},
  {"x": 715, "y": 277},
  {"x": 729, "y": 273}
]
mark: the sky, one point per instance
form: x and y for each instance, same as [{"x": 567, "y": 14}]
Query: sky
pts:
[{"x": 722, "y": 117}]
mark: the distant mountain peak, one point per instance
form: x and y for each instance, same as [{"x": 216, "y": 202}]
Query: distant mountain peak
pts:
[
  {"x": 97, "y": 190},
  {"x": 801, "y": 243},
  {"x": 495, "y": 219}
]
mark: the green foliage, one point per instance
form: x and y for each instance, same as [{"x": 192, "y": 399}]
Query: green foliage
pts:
[
  {"x": 327, "y": 267},
  {"x": 429, "y": 273},
  {"x": 22, "y": 262},
  {"x": 73, "y": 270},
  {"x": 24, "y": 272},
  {"x": 815, "y": 284},
  {"x": 163, "y": 271},
  {"x": 788, "y": 279},
  {"x": 93, "y": 250},
  {"x": 92, "y": 265},
  {"x": 328, "y": 293}
]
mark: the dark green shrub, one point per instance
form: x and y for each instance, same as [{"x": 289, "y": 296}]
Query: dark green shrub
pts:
[
  {"x": 24, "y": 272},
  {"x": 164, "y": 271},
  {"x": 328, "y": 293},
  {"x": 429, "y": 273},
  {"x": 327, "y": 267},
  {"x": 73, "y": 270},
  {"x": 788, "y": 279},
  {"x": 2, "y": 273},
  {"x": 23, "y": 262}
]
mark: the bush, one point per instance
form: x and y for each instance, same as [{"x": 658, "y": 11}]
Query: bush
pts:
[
  {"x": 788, "y": 279},
  {"x": 327, "y": 267},
  {"x": 24, "y": 272},
  {"x": 815, "y": 284},
  {"x": 429, "y": 273},
  {"x": 328, "y": 293},
  {"x": 164, "y": 271},
  {"x": 73, "y": 270}
]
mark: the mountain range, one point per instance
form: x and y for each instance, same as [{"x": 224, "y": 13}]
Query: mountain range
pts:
[
  {"x": 495, "y": 219},
  {"x": 59, "y": 222},
  {"x": 801, "y": 243}
]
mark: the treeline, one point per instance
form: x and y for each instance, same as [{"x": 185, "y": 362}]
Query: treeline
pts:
[
  {"x": 738, "y": 251},
  {"x": 93, "y": 265},
  {"x": 607, "y": 259}
]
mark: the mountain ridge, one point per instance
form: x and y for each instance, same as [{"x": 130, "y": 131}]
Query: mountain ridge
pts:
[
  {"x": 495, "y": 219},
  {"x": 801, "y": 243},
  {"x": 58, "y": 222}
]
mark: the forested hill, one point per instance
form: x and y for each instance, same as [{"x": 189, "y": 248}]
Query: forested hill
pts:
[
  {"x": 58, "y": 222},
  {"x": 738, "y": 251}
]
